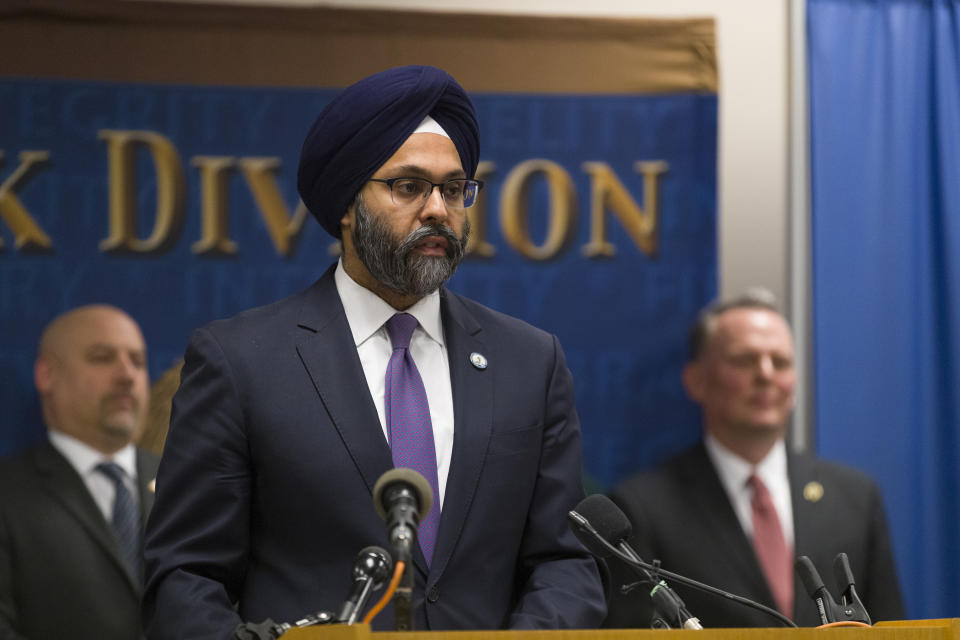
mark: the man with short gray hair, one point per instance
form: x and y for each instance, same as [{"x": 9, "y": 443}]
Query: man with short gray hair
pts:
[{"x": 736, "y": 510}]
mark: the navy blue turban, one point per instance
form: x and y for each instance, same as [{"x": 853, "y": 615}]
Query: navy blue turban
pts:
[{"x": 365, "y": 124}]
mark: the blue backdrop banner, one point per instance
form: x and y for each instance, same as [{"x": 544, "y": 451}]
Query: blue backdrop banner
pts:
[
  {"x": 885, "y": 122},
  {"x": 179, "y": 204}
]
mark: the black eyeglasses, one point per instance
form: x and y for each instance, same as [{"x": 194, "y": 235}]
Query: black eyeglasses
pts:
[{"x": 459, "y": 193}]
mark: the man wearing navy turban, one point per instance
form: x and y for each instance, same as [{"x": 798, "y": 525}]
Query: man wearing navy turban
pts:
[{"x": 282, "y": 424}]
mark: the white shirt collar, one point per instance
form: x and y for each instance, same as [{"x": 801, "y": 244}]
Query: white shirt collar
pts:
[
  {"x": 85, "y": 458},
  {"x": 772, "y": 470},
  {"x": 367, "y": 312},
  {"x": 734, "y": 471}
]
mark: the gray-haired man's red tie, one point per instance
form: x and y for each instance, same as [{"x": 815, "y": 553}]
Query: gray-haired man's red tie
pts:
[{"x": 770, "y": 545}]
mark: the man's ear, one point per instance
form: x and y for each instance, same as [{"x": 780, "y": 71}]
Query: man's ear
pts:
[
  {"x": 348, "y": 220},
  {"x": 693, "y": 381},
  {"x": 347, "y": 223},
  {"x": 43, "y": 374}
]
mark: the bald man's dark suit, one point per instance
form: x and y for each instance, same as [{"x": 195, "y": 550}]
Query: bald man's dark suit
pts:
[
  {"x": 681, "y": 516},
  {"x": 264, "y": 491},
  {"x": 61, "y": 572}
]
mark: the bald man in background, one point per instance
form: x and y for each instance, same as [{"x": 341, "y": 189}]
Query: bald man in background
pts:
[{"x": 72, "y": 509}]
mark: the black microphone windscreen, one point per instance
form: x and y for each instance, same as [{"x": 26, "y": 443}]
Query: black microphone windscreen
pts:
[
  {"x": 842, "y": 572},
  {"x": 408, "y": 477},
  {"x": 606, "y": 517},
  {"x": 375, "y": 563},
  {"x": 809, "y": 576},
  {"x": 588, "y": 536}
]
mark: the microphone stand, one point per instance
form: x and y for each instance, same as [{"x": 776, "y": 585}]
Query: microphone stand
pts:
[
  {"x": 403, "y": 601},
  {"x": 849, "y": 608},
  {"x": 405, "y": 538},
  {"x": 641, "y": 565},
  {"x": 401, "y": 497},
  {"x": 667, "y": 605},
  {"x": 642, "y": 568}
]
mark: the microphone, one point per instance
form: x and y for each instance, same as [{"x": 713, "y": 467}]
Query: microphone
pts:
[
  {"x": 608, "y": 512},
  {"x": 371, "y": 570},
  {"x": 613, "y": 525},
  {"x": 815, "y": 588},
  {"x": 401, "y": 497},
  {"x": 849, "y": 608},
  {"x": 608, "y": 518}
]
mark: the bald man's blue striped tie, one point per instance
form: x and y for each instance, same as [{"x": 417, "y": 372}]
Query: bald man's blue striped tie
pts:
[{"x": 126, "y": 518}]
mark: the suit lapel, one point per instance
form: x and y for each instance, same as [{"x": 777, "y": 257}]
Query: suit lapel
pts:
[
  {"x": 331, "y": 359},
  {"x": 804, "y": 514},
  {"x": 473, "y": 420},
  {"x": 65, "y": 487},
  {"x": 724, "y": 525},
  {"x": 807, "y": 527}
]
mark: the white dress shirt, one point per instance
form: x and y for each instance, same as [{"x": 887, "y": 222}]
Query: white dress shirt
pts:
[
  {"x": 367, "y": 315},
  {"x": 85, "y": 459},
  {"x": 734, "y": 472}
]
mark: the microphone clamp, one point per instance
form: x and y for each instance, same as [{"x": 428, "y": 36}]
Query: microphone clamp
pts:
[
  {"x": 849, "y": 608},
  {"x": 270, "y": 630}
]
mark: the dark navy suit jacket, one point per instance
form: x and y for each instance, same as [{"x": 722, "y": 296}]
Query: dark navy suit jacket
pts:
[
  {"x": 681, "y": 516},
  {"x": 61, "y": 571},
  {"x": 264, "y": 490}
]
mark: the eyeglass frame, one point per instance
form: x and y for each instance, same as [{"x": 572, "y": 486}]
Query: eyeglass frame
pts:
[{"x": 391, "y": 181}]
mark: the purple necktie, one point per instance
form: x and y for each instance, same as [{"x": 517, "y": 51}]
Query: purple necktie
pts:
[
  {"x": 408, "y": 421},
  {"x": 776, "y": 558}
]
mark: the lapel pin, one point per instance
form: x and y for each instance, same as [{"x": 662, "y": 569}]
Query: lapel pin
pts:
[
  {"x": 813, "y": 491},
  {"x": 478, "y": 360},
  {"x": 152, "y": 486}
]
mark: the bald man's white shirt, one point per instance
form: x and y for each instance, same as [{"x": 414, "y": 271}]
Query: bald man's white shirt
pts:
[{"x": 84, "y": 459}]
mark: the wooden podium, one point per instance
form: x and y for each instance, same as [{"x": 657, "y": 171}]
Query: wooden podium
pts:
[{"x": 946, "y": 629}]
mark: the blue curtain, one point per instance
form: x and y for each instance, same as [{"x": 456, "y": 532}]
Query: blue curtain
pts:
[{"x": 885, "y": 156}]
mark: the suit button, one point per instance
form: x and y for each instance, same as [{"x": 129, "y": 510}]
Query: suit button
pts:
[{"x": 433, "y": 595}]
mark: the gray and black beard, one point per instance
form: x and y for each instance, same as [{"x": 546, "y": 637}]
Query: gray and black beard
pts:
[{"x": 394, "y": 264}]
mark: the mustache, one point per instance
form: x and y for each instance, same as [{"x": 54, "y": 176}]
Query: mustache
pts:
[
  {"x": 122, "y": 395},
  {"x": 455, "y": 244}
]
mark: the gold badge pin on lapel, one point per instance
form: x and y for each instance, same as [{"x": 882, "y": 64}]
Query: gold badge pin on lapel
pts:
[
  {"x": 813, "y": 491},
  {"x": 152, "y": 486},
  {"x": 478, "y": 360}
]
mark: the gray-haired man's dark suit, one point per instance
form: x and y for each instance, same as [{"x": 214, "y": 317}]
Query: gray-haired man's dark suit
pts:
[{"x": 682, "y": 516}]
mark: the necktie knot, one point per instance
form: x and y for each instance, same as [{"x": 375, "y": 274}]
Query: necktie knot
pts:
[
  {"x": 761, "y": 500},
  {"x": 400, "y": 327},
  {"x": 112, "y": 470}
]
